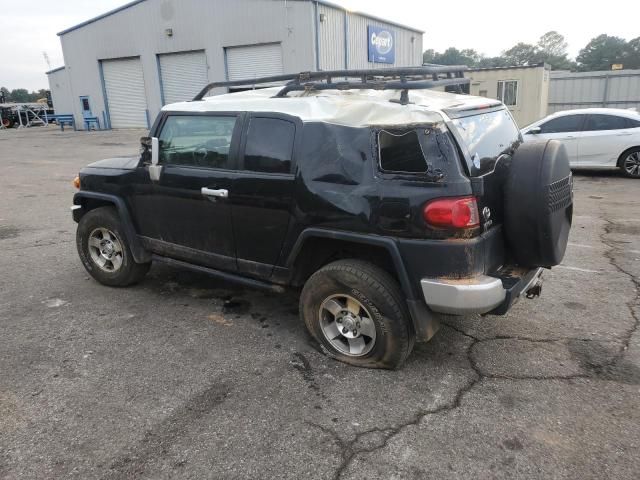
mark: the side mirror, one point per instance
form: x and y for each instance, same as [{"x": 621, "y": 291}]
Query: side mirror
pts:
[
  {"x": 145, "y": 150},
  {"x": 534, "y": 131},
  {"x": 154, "y": 169}
]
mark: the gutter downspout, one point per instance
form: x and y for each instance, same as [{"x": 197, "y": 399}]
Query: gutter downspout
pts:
[
  {"x": 346, "y": 40},
  {"x": 317, "y": 34}
]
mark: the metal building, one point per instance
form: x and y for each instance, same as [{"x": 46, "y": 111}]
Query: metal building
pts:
[
  {"x": 611, "y": 89},
  {"x": 124, "y": 65}
]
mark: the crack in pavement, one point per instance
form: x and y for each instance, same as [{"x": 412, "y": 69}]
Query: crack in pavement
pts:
[
  {"x": 349, "y": 449},
  {"x": 631, "y": 304}
]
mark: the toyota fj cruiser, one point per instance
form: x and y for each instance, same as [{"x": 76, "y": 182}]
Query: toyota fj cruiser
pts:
[{"x": 387, "y": 203}]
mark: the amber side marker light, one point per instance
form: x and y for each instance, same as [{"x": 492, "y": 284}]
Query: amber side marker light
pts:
[{"x": 76, "y": 182}]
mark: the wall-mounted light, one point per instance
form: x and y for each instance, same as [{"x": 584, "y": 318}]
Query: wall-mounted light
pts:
[
  {"x": 323, "y": 17},
  {"x": 413, "y": 39},
  {"x": 168, "y": 32}
]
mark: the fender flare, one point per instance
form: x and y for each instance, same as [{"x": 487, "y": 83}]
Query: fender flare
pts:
[
  {"x": 387, "y": 243},
  {"x": 140, "y": 254}
]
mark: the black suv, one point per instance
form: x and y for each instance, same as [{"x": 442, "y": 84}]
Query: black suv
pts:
[{"x": 385, "y": 202}]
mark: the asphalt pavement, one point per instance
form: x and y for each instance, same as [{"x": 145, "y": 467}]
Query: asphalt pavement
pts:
[{"x": 184, "y": 376}]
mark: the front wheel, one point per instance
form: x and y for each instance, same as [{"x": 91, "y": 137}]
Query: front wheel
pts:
[
  {"x": 357, "y": 312},
  {"x": 104, "y": 250},
  {"x": 630, "y": 163}
]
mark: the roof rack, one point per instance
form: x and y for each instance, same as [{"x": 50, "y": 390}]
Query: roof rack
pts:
[{"x": 404, "y": 79}]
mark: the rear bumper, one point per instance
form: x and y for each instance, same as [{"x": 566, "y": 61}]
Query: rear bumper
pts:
[{"x": 479, "y": 294}]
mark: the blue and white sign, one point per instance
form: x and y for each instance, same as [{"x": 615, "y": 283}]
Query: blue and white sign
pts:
[{"x": 382, "y": 45}]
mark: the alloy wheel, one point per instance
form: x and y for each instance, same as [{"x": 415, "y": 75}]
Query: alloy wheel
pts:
[
  {"x": 105, "y": 249},
  {"x": 632, "y": 164},
  {"x": 347, "y": 325}
]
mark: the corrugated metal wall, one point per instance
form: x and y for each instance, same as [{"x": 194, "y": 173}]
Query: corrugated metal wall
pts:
[
  {"x": 331, "y": 35},
  {"x": 154, "y": 27},
  {"x": 60, "y": 92},
  {"x": 212, "y": 25},
  {"x": 331, "y": 31},
  {"x": 612, "y": 89},
  {"x": 408, "y": 44}
]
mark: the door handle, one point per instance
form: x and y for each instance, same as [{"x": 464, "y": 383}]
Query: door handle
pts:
[{"x": 212, "y": 192}]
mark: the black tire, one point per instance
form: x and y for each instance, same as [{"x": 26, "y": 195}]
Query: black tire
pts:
[
  {"x": 633, "y": 155},
  {"x": 128, "y": 272},
  {"x": 380, "y": 296}
]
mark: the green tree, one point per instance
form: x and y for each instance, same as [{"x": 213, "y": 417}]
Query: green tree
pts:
[
  {"x": 453, "y": 56},
  {"x": 20, "y": 95},
  {"x": 601, "y": 52},
  {"x": 428, "y": 56},
  {"x": 4, "y": 92},
  {"x": 553, "y": 44},
  {"x": 552, "y": 49},
  {"x": 522, "y": 54},
  {"x": 632, "y": 54}
]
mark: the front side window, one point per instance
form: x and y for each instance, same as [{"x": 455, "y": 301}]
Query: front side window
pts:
[
  {"x": 508, "y": 92},
  {"x": 606, "y": 122},
  {"x": 564, "y": 124},
  {"x": 269, "y": 146},
  {"x": 197, "y": 140}
]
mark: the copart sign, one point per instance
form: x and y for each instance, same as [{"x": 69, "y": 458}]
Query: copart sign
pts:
[{"x": 382, "y": 45}]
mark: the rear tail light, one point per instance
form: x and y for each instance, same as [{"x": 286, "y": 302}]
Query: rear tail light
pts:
[{"x": 455, "y": 212}]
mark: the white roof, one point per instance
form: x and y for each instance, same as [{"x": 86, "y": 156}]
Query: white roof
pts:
[{"x": 354, "y": 108}]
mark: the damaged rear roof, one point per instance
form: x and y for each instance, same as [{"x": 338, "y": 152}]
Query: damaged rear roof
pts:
[{"x": 355, "y": 108}]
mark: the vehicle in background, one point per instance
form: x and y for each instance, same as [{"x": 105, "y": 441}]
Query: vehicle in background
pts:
[{"x": 594, "y": 137}]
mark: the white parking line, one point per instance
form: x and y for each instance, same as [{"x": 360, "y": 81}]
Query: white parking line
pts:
[
  {"x": 580, "y": 245},
  {"x": 577, "y": 269}
]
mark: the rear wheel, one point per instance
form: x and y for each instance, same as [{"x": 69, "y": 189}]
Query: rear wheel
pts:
[
  {"x": 357, "y": 312},
  {"x": 630, "y": 163},
  {"x": 104, "y": 250}
]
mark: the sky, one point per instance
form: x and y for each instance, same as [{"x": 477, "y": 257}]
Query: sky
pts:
[{"x": 29, "y": 27}]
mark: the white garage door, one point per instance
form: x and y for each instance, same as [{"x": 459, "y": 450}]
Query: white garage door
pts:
[
  {"x": 183, "y": 75},
  {"x": 124, "y": 85},
  {"x": 254, "y": 61}
]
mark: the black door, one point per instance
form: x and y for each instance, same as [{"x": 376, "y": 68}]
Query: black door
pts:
[
  {"x": 262, "y": 195},
  {"x": 192, "y": 219}
]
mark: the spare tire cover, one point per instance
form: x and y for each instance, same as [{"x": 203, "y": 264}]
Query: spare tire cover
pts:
[{"x": 538, "y": 204}]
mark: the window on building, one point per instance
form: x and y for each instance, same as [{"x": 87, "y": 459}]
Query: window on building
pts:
[
  {"x": 483, "y": 93},
  {"x": 197, "y": 140},
  {"x": 269, "y": 145},
  {"x": 508, "y": 92},
  {"x": 606, "y": 122},
  {"x": 566, "y": 123},
  {"x": 401, "y": 152}
]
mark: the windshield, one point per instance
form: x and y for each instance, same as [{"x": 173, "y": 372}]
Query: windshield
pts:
[{"x": 487, "y": 136}]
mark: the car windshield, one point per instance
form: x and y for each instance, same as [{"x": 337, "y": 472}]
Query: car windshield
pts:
[{"x": 487, "y": 136}]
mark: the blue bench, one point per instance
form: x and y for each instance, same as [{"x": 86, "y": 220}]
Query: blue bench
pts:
[
  {"x": 91, "y": 121},
  {"x": 64, "y": 119}
]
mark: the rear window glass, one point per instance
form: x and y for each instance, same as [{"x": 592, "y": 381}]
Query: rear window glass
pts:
[
  {"x": 487, "y": 136},
  {"x": 606, "y": 122},
  {"x": 401, "y": 152}
]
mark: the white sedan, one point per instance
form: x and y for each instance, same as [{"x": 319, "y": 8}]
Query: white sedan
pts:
[{"x": 594, "y": 137}]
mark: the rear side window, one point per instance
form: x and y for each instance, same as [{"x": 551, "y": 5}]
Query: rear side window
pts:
[
  {"x": 567, "y": 123},
  {"x": 401, "y": 152},
  {"x": 487, "y": 136},
  {"x": 197, "y": 140},
  {"x": 606, "y": 122},
  {"x": 633, "y": 123},
  {"x": 269, "y": 146}
]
